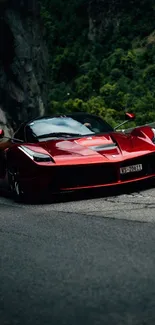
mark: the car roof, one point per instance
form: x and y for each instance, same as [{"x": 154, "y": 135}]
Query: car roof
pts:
[{"x": 59, "y": 115}]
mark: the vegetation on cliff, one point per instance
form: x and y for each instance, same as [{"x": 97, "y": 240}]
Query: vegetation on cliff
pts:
[{"x": 102, "y": 57}]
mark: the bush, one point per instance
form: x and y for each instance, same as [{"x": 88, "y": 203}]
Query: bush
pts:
[{"x": 112, "y": 73}]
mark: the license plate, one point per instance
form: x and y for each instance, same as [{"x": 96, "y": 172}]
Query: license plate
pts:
[{"x": 131, "y": 169}]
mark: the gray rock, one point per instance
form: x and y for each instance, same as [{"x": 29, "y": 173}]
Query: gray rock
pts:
[{"x": 23, "y": 63}]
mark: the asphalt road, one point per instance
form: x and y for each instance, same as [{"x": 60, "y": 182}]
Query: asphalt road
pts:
[{"x": 90, "y": 261}]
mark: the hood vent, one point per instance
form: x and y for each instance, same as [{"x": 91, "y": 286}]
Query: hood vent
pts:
[{"x": 102, "y": 147}]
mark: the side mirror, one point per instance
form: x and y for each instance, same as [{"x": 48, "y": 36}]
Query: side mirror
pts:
[
  {"x": 129, "y": 116},
  {"x": 1, "y": 133}
]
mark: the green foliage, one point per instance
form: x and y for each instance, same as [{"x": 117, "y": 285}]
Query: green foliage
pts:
[{"x": 110, "y": 74}]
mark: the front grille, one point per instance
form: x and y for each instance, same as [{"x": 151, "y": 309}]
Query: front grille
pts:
[
  {"x": 84, "y": 175},
  {"x": 64, "y": 177},
  {"x": 148, "y": 163}
]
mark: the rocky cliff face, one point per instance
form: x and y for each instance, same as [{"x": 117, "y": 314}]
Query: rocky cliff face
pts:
[{"x": 23, "y": 63}]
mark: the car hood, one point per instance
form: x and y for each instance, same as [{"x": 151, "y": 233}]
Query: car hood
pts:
[{"x": 114, "y": 146}]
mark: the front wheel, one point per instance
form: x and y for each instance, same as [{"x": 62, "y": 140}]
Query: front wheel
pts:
[{"x": 15, "y": 186}]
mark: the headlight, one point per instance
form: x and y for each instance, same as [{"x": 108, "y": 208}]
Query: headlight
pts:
[{"x": 36, "y": 156}]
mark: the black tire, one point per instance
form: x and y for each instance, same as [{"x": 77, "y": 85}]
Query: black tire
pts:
[{"x": 15, "y": 186}]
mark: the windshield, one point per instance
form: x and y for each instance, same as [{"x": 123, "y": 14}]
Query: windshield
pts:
[{"x": 68, "y": 126}]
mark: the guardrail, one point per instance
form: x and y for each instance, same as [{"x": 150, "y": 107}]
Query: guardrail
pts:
[{"x": 152, "y": 125}]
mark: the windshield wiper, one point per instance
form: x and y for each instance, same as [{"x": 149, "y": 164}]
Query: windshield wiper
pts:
[{"x": 59, "y": 134}]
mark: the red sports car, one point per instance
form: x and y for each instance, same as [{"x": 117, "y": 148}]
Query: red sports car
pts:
[{"x": 76, "y": 151}]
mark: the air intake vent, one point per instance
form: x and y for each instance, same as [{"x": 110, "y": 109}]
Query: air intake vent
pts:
[{"x": 109, "y": 146}]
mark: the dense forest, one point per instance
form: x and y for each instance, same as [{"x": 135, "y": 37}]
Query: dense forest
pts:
[{"x": 102, "y": 57}]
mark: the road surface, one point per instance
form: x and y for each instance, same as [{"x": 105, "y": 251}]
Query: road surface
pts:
[{"x": 90, "y": 261}]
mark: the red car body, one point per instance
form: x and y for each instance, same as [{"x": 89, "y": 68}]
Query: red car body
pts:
[{"x": 78, "y": 162}]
